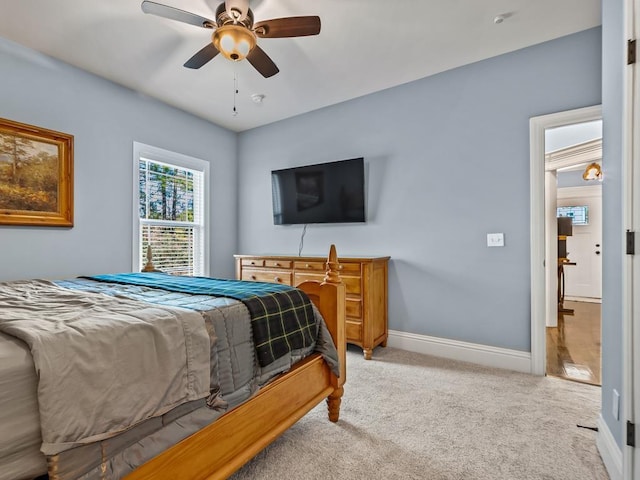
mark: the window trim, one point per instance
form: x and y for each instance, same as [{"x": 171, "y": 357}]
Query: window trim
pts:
[{"x": 141, "y": 150}]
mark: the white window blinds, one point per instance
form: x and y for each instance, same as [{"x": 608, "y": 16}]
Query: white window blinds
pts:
[{"x": 172, "y": 213}]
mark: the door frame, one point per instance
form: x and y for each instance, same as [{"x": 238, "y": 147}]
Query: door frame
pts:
[
  {"x": 537, "y": 127},
  {"x": 631, "y": 265}
]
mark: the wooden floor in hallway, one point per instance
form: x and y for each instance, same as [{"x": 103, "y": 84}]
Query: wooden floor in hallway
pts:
[{"x": 573, "y": 347}]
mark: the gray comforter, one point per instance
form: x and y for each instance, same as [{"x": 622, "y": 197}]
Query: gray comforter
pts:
[{"x": 72, "y": 334}]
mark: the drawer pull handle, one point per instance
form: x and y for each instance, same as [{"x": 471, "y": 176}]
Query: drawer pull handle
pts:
[
  {"x": 277, "y": 279},
  {"x": 340, "y": 267},
  {"x": 307, "y": 266},
  {"x": 253, "y": 263},
  {"x": 253, "y": 277},
  {"x": 277, "y": 264}
]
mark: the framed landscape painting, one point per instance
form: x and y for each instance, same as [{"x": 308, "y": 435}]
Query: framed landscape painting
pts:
[{"x": 36, "y": 176}]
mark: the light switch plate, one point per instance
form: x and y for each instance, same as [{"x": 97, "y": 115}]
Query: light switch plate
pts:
[
  {"x": 495, "y": 239},
  {"x": 615, "y": 405}
]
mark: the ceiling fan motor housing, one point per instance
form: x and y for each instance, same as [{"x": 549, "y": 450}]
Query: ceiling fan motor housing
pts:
[{"x": 223, "y": 18}]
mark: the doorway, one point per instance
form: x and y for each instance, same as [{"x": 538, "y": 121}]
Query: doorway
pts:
[
  {"x": 542, "y": 251},
  {"x": 573, "y": 250}
]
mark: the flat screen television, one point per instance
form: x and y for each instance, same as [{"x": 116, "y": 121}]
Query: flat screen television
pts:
[{"x": 330, "y": 192}]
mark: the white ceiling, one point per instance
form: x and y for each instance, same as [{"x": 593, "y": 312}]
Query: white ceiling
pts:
[
  {"x": 364, "y": 46},
  {"x": 559, "y": 138}
]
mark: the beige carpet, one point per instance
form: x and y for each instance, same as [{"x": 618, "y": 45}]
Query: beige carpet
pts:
[{"x": 410, "y": 416}]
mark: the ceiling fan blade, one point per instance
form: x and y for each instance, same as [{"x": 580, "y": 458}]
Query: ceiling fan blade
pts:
[
  {"x": 262, "y": 63},
  {"x": 237, "y": 9},
  {"x": 176, "y": 14},
  {"x": 288, "y": 27},
  {"x": 203, "y": 56}
]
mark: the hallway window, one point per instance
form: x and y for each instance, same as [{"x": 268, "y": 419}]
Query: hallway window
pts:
[{"x": 579, "y": 214}]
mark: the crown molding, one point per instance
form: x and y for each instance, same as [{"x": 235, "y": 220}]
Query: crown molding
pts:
[{"x": 582, "y": 153}]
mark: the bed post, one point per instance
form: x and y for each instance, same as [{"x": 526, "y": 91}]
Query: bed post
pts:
[
  {"x": 149, "y": 267},
  {"x": 337, "y": 328}
]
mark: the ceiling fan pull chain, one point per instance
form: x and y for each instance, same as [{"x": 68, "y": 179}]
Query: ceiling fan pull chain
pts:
[{"x": 235, "y": 93}]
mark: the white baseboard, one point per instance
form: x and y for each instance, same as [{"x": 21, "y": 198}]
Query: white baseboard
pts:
[
  {"x": 609, "y": 450},
  {"x": 464, "y": 351}
]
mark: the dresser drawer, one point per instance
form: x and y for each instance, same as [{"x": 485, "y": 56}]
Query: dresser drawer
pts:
[
  {"x": 310, "y": 266},
  {"x": 271, "y": 276},
  {"x": 252, "y": 262},
  {"x": 349, "y": 268},
  {"x": 277, "y": 263},
  {"x": 354, "y": 331},
  {"x": 344, "y": 268},
  {"x": 354, "y": 308},
  {"x": 352, "y": 285}
]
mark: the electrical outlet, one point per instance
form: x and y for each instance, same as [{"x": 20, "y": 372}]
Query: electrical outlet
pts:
[
  {"x": 616, "y": 405},
  {"x": 495, "y": 239}
]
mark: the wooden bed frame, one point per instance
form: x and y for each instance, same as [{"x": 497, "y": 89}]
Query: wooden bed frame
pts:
[{"x": 221, "y": 448}]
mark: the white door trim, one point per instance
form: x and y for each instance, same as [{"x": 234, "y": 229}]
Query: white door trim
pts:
[
  {"x": 537, "y": 127},
  {"x": 631, "y": 263}
]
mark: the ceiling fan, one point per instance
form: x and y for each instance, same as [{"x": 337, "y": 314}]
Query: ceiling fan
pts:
[{"x": 235, "y": 34}]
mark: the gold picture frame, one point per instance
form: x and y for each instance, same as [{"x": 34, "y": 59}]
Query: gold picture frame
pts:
[{"x": 36, "y": 176}]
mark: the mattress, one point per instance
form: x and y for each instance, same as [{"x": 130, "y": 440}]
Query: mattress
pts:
[
  {"x": 235, "y": 376},
  {"x": 20, "y": 440}
]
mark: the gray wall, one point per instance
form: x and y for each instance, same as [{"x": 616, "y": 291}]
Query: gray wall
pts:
[
  {"x": 105, "y": 119},
  {"x": 573, "y": 178},
  {"x": 613, "y": 48},
  {"x": 447, "y": 161}
]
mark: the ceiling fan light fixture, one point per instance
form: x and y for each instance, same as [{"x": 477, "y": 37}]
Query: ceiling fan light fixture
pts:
[{"x": 234, "y": 41}]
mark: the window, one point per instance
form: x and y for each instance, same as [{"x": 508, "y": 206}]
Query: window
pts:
[
  {"x": 171, "y": 211},
  {"x": 579, "y": 214}
]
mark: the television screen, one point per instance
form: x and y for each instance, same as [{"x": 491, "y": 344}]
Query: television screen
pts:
[{"x": 323, "y": 193}]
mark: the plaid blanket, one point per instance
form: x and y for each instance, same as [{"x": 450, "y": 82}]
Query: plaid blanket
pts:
[{"x": 282, "y": 317}]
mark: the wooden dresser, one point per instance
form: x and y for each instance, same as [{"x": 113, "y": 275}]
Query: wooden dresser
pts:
[{"x": 365, "y": 280}]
